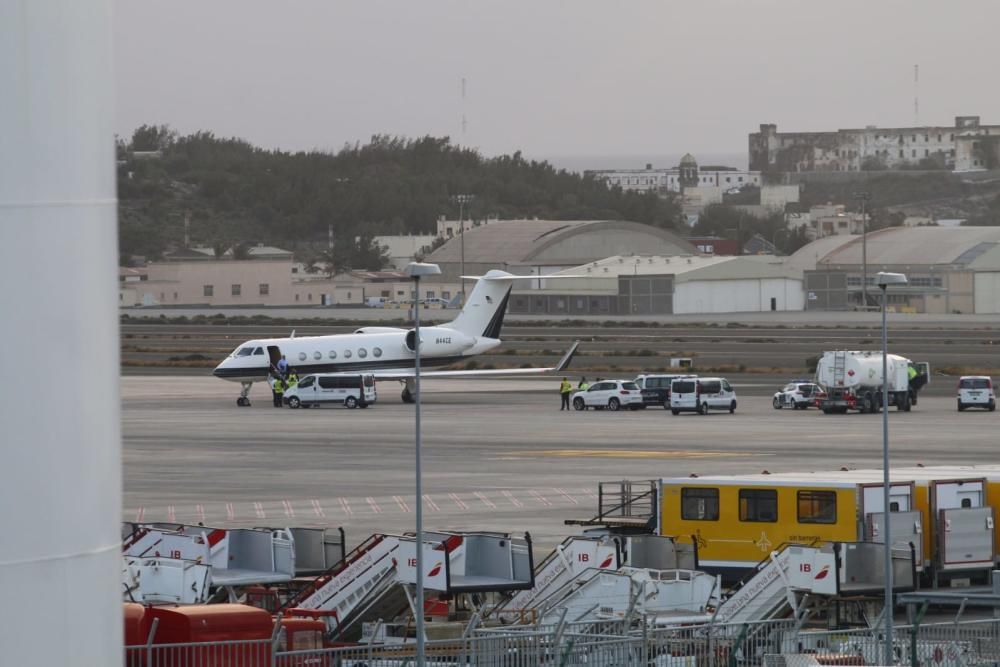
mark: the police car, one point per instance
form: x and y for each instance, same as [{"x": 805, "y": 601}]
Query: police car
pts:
[{"x": 798, "y": 394}]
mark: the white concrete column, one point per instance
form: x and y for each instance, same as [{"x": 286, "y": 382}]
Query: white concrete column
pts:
[{"x": 60, "y": 451}]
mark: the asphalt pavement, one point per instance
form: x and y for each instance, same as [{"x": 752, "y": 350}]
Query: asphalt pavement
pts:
[{"x": 498, "y": 454}]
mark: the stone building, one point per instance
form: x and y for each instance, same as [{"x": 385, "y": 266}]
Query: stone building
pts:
[{"x": 965, "y": 146}]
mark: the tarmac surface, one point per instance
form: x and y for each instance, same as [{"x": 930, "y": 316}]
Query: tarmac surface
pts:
[{"x": 497, "y": 454}]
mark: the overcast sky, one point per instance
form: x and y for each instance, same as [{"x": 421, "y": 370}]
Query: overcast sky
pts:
[{"x": 549, "y": 77}]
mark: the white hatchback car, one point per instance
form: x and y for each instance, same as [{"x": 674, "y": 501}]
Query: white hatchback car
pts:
[
  {"x": 611, "y": 394},
  {"x": 701, "y": 395},
  {"x": 976, "y": 391}
]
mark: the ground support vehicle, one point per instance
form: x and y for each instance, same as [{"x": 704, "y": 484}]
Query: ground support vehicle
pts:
[
  {"x": 611, "y": 394},
  {"x": 799, "y": 395},
  {"x": 656, "y": 389},
  {"x": 853, "y": 381},
  {"x": 976, "y": 391},
  {"x": 701, "y": 395},
  {"x": 351, "y": 390}
]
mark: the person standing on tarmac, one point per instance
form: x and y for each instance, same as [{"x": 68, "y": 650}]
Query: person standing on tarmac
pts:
[
  {"x": 583, "y": 386},
  {"x": 292, "y": 379},
  {"x": 279, "y": 390},
  {"x": 565, "y": 389}
]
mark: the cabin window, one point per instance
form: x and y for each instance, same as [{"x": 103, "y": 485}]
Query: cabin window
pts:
[
  {"x": 302, "y": 356},
  {"x": 377, "y": 351},
  {"x": 759, "y": 505},
  {"x": 700, "y": 504},
  {"x": 817, "y": 506},
  {"x": 347, "y": 354},
  {"x": 362, "y": 352},
  {"x": 333, "y": 354},
  {"x": 317, "y": 355}
]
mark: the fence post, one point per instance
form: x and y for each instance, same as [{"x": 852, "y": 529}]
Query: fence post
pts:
[
  {"x": 149, "y": 641},
  {"x": 645, "y": 640}
]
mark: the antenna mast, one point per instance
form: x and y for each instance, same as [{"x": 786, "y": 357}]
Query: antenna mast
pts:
[{"x": 916, "y": 95}]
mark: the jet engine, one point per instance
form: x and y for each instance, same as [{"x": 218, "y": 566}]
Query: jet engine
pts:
[{"x": 438, "y": 341}]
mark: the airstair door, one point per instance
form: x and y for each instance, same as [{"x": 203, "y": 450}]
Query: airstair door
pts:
[
  {"x": 905, "y": 528},
  {"x": 900, "y": 498}
]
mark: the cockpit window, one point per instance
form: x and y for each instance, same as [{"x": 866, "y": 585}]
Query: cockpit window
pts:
[
  {"x": 244, "y": 352},
  {"x": 259, "y": 350}
]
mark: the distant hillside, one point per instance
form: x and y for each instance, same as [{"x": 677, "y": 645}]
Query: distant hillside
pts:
[{"x": 235, "y": 192}]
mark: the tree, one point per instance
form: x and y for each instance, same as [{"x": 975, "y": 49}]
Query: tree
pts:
[{"x": 152, "y": 138}]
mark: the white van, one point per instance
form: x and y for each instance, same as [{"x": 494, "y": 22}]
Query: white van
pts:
[
  {"x": 351, "y": 389},
  {"x": 701, "y": 395}
]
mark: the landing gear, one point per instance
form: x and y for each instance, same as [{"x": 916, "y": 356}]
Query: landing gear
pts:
[
  {"x": 409, "y": 390},
  {"x": 244, "y": 401}
]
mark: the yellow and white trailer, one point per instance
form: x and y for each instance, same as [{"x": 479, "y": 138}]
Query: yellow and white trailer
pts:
[{"x": 945, "y": 512}]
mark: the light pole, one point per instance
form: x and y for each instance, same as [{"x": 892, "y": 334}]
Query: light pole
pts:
[
  {"x": 863, "y": 197},
  {"x": 884, "y": 280},
  {"x": 462, "y": 201},
  {"x": 416, "y": 270}
]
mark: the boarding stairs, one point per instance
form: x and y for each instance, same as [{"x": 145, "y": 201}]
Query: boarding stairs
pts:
[
  {"x": 602, "y": 595},
  {"x": 370, "y": 583},
  {"x": 773, "y": 587},
  {"x": 182, "y": 564}
]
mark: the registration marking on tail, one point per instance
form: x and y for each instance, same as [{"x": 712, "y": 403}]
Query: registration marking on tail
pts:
[
  {"x": 458, "y": 501},
  {"x": 430, "y": 503},
  {"x": 486, "y": 501}
]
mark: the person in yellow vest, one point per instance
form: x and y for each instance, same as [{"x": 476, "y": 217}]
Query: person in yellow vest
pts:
[
  {"x": 584, "y": 385},
  {"x": 565, "y": 389},
  {"x": 278, "y": 388},
  {"x": 292, "y": 379}
]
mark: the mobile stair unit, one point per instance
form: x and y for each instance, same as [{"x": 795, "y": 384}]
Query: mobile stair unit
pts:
[{"x": 374, "y": 581}]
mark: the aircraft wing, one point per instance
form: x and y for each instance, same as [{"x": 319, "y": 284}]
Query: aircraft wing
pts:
[{"x": 403, "y": 374}]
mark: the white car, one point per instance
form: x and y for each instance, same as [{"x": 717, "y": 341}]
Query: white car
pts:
[
  {"x": 797, "y": 394},
  {"x": 701, "y": 395},
  {"x": 611, "y": 394},
  {"x": 976, "y": 391}
]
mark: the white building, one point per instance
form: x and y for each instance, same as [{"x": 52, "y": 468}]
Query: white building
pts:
[
  {"x": 670, "y": 180},
  {"x": 404, "y": 248},
  {"x": 657, "y": 285}
]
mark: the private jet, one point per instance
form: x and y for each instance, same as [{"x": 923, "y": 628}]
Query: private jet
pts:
[{"x": 388, "y": 352}]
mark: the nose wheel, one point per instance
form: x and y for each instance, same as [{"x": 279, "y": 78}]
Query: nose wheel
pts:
[{"x": 244, "y": 401}]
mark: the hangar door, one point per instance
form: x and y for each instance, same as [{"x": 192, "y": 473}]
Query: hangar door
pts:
[{"x": 646, "y": 295}]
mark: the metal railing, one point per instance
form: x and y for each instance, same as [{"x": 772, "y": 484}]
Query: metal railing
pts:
[{"x": 614, "y": 643}]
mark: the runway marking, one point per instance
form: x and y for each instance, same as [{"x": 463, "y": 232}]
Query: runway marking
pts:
[
  {"x": 346, "y": 506},
  {"x": 200, "y": 511},
  {"x": 171, "y": 516},
  {"x": 373, "y": 505},
  {"x": 513, "y": 501},
  {"x": 230, "y": 512},
  {"x": 627, "y": 454},
  {"x": 259, "y": 509},
  {"x": 590, "y": 492},
  {"x": 317, "y": 508},
  {"x": 403, "y": 507},
  {"x": 458, "y": 501},
  {"x": 568, "y": 497},
  {"x": 542, "y": 499},
  {"x": 430, "y": 503},
  {"x": 486, "y": 501},
  {"x": 289, "y": 510}
]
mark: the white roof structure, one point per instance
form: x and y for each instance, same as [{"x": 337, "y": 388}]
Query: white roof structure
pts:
[{"x": 960, "y": 247}]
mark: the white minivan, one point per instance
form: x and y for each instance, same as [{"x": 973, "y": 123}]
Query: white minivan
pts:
[
  {"x": 976, "y": 391},
  {"x": 350, "y": 389},
  {"x": 701, "y": 395}
]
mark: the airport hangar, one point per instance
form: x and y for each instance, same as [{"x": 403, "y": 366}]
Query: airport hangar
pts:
[
  {"x": 651, "y": 284},
  {"x": 950, "y": 269}
]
